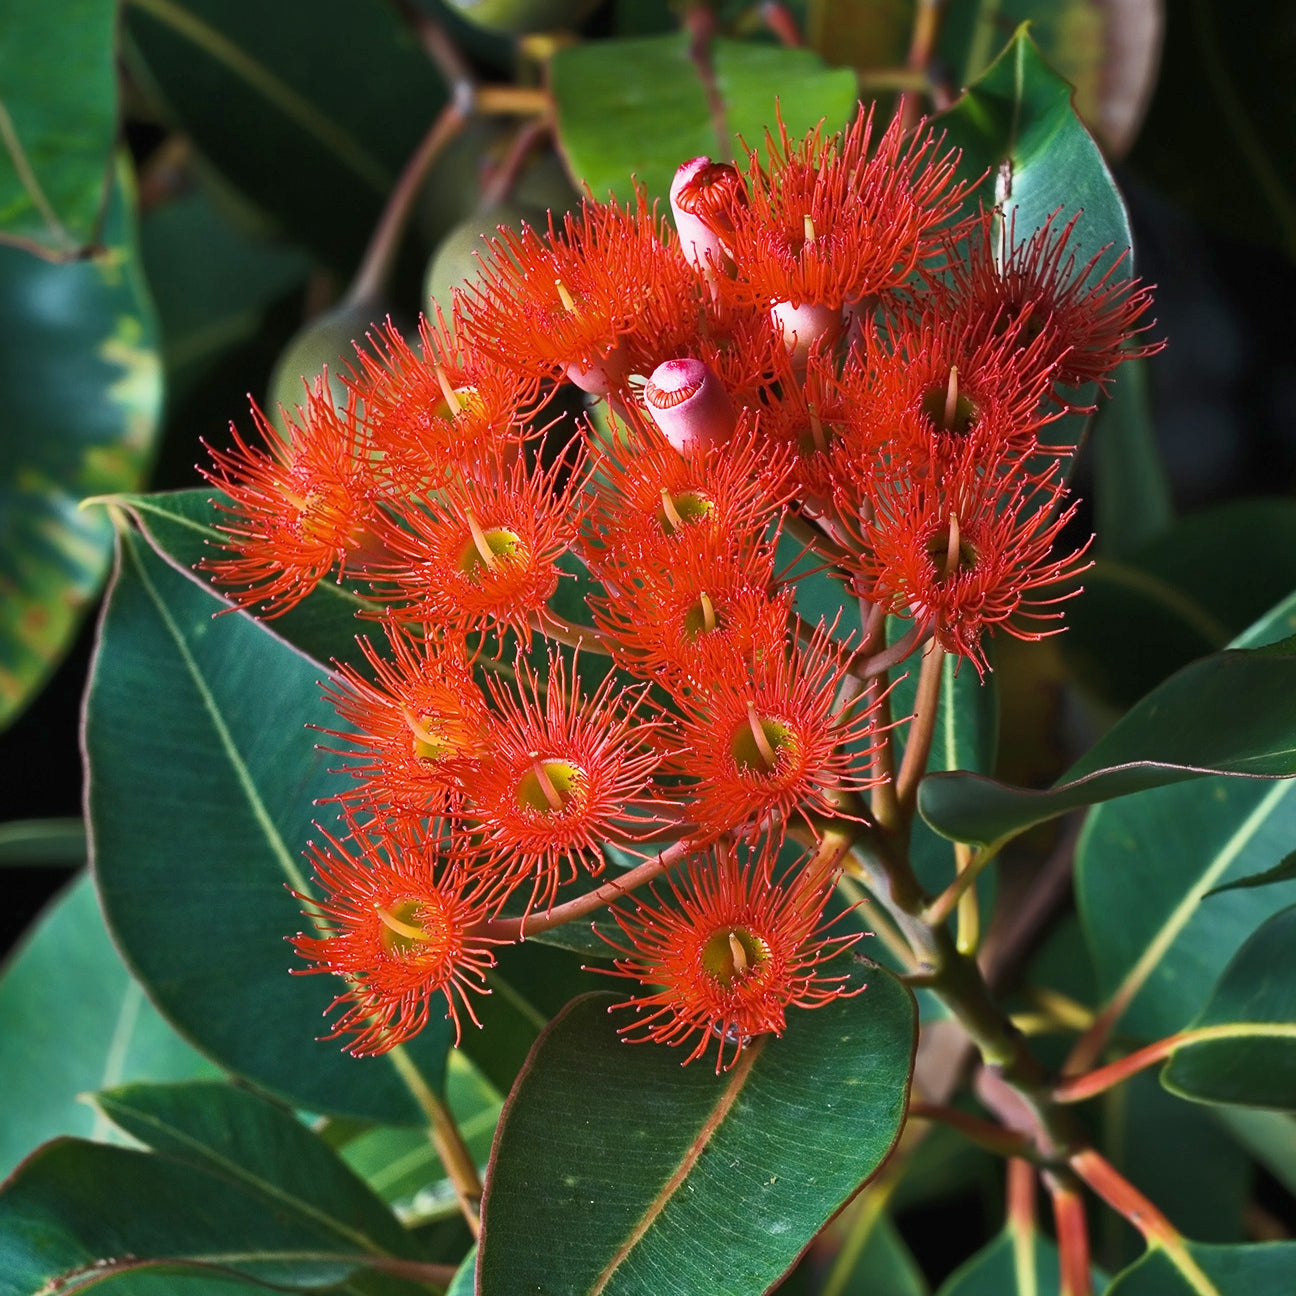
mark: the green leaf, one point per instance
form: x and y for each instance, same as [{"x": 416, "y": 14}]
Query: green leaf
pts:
[
  {"x": 73, "y": 1020},
  {"x": 1018, "y": 130},
  {"x": 1249, "y": 1056},
  {"x": 1015, "y": 1263},
  {"x": 1143, "y": 864},
  {"x": 1231, "y": 713},
  {"x": 77, "y": 1214},
  {"x": 1131, "y": 490},
  {"x": 56, "y": 843},
  {"x": 638, "y": 106},
  {"x": 265, "y": 1151},
  {"x": 1227, "y": 1271},
  {"x": 203, "y": 783},
  {"x": 1178, "y": 597},
  {"x": 1283, "y": 871},
  {"x": 1270, "y": 1137},
  {"x": 58, "y": 122},
  {"x": 465, "y": 1281},
  {"x": 1108, "y": 52},
  {"x": 183, "y": 527},
  {"x": 311, "y": 125},
  {"x": 717, "y": 1180},
  {"x": 83, "y": 395}
]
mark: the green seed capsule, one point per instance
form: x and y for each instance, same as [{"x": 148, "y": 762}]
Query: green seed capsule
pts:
[
  {"x": 520, "y": 16},
  {"x": 328, "y": 340}
]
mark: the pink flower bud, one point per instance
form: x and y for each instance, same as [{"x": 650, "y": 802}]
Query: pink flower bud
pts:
[
  {"x": 601, "y": 376},
  {"x": 691, "y": 199},
  {"x": 690, "y": 405},
  {"x": 802, "y": 326}
]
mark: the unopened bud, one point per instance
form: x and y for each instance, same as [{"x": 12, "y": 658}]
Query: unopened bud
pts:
[
  {"x": 690, "y": 405},
  {"x": 602, "y": 376},
  {"x": 802, "y": 326},
  {"x": 701, "y": 196}
]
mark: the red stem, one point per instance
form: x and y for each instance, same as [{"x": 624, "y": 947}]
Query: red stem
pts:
[
  {"x": 516, "y": 929},
  {"x": 1078, "y": 1088},
  {"x": 1072, "y": 1239},
  {"x": 1125, "y": 1199}
]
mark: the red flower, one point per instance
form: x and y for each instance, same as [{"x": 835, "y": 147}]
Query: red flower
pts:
[
  {"x": 420, "y": 724},
  {"x": 300, "y": 508},
  {"x": 397, "y": 922},
  {"x": 827, "y": 224},
  {"x": 967, "y": 553},
  {"x": 775, "y": 742},
  {"x": 483, "y": 552},
  {"x": 565, "y": 305},
  {"x": 1089, "y": 317},
  {"x": 436, "y": 412},
  {"x": 562, "y": 775},
  {"x": 725, "y": 957}
]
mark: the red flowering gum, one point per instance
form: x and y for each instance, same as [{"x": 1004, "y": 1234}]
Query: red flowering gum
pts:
[
  {"x": 776, "y": 743},
  {"x": 299, "y": 508},
  {"x": 692, "y": 606},
  {"x": 1088, "y": 317},
  {"x": 482, "y": 553},
  {"x": 563, "y": 774},
  {"x": 725, "y": 960},
  {"x": 418, "y": 725},
  {"x": 967, "y": 554},
  {"x": 438, "y": 410},
  {"x": 826, "y": 223},
  {"x": 397, "y": 921},
  {"x": 568, "y": 305},
  {"x": 928, "y": 394}
]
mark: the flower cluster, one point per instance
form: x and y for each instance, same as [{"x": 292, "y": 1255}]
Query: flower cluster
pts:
[{"x": 818, "y": 365}]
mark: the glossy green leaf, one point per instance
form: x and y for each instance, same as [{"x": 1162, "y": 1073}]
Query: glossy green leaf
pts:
[
  {"x": 1017, "y": 128},
  {"x": 637, "y": 107},
  {"x": 1178, "y": 597},
  {"x": 465, "y": 1281},
  {"x": 1283, "y": 871},
  {"x": 717, "y": 1180},
  {"x": 1249, "y": 1056},
  {"x": 58, "y": 122},
  {"x": 1015, "y": 1263},
  {"x": 1143, "y": 864},
  {"x": 310, "y": 109},
  {"x": 72, "y": 1020},
  {"x": 1270, "y": 1137},
  {"x": 56, "y": 843},
  {"x": 1131, "y": 490},
  {"x": 1227, "y": 1271},
  {"x": 77, "y": 1214},
  {"x": 198, "y": 817},
  {"x": 83, "y": 394},
  {"x": 1230, "y": 713},
  {"x": 1107, "y": 51},
  {"x": 264, "y": 1149},
  {"x": 183, "y": 526}
]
